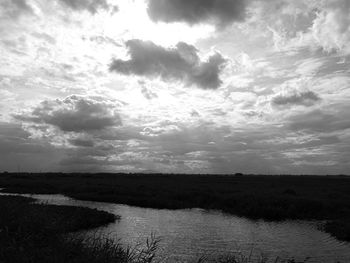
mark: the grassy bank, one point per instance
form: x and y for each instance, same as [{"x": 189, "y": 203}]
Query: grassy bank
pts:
[
  {"x": 267, "y": 197},
  {"x": 36, "y": 233}
]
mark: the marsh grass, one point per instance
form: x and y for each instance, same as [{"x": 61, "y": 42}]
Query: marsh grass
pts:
[
  {"x": 40, "y": 233},
  {"x": 267, "y": 197},
  {"x": 255, "y": 196},
  {"x": 105, "y": 249},
  {"x": 36, "y": 233}
]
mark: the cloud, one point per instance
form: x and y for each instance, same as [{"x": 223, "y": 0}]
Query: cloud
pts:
[
  {"x": 305, "y": 98},
  {"x": 74, "y": 114},
  {"x": 146, "y": 92},
  {"x": 20, "y": 152},
  {"x": 219, "y": 12},
  {"x": 81, "y": 142},
  {"x": 331, "y": 28},
  {"x": 21, "y": 4},
  {"x": 319, "y": 121},
  {"x": 14, "y": 139},
  {"x": 14, "y": 8},
  {"x": 293, "y": 25},
  {"x": 89, "y": 5},
  {"x": 178, "y": 63}
]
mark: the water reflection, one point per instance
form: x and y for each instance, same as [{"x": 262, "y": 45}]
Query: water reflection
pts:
[{"x": 190, "y": 233}]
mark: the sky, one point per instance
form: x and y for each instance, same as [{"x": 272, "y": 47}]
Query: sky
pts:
[{"x": 175, "y": 86}]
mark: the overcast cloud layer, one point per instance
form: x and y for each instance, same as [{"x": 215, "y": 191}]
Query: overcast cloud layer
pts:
[{"x": 181, "y": 86}]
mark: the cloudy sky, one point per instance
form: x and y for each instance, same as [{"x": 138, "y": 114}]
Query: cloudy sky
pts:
[{"x": 193, "y": 86}]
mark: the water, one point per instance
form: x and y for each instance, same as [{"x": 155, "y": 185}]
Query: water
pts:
[{"x": 188, "y": 234}]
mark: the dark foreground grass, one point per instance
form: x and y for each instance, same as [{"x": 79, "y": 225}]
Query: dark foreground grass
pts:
[
  {"x": 38, "y": 233},
  {"x": 266, "y": 197}
]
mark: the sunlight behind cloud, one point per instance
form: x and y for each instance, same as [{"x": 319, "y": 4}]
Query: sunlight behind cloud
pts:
[
  {"x": 132, "y": 22},
  {"x": 161, "y": 90}
]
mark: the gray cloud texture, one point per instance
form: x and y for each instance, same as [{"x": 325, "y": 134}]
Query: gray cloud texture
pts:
[
  {"x": 220, "y": 12},
  {"x": 20, "y": 152},
  {"x": 178, "y": 63},
  {"x": 319, "y": 121},
  {"x": 81, "y": 142},
  {"x": 74, "y": 114},
  {"x": 90, "y": 5},
  {"x": 14, "y": 8},
  {"x": 22, "y": 4},
  {"x": 306, "y": 98}
]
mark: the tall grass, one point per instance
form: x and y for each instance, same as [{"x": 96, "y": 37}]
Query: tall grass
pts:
[
  {"x": 102, "y": 249},
  {"x": 39, "y": 233}
]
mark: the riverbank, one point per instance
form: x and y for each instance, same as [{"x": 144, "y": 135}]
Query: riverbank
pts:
[
  {"x": 255, "y": 197},
  {"x": 42, "y": 233}
]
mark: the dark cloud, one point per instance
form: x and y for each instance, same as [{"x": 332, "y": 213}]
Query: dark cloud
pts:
[
  {"x": 81, "y": 142},
  {"x": 13, "y": 139},
  {"x": 20, "y": 152},
  {"x": 74, "y": 114},
  {"x": 90, "y": 5},
  {"x": 306, "y": 98},
  {"x": 195, "y": 113},
  {"x": 318, "y": 121},
  {"x": 12, "y": 130},
  {"x": 179, "y": 63},
  {"x": 21, "y": 4},
  {"x": 220, "y": 12},
  {"x": 82, "y": 161}
]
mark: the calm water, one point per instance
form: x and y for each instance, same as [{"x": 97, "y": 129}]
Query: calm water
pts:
[{"x": 190, "y": 233}]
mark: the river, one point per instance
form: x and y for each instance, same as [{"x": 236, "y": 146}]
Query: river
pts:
[{"x": 188, "y": 234}]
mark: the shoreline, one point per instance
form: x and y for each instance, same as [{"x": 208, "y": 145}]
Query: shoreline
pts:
[{"x": 269, "y": 198}]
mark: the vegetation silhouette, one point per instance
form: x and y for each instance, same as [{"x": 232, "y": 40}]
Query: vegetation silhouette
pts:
[{"x": 253, "y": 196}]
